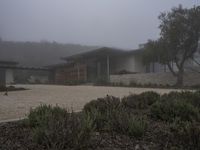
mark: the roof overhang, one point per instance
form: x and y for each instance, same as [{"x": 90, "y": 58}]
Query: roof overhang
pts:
[
  {"x": 24, "y": 68},
  {"x": 98, "y": 53},
  {"x": 8, "y": 62}
]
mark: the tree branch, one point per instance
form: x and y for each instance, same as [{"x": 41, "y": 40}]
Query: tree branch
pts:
[{"x": 171, "y": 69}]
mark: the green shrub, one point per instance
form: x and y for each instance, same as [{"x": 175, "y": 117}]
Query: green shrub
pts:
[
  {"x": 101, "y": 109},
  {"x": 188, "y": 96},
  {"x": 141, "y": 101},
  {"x": 109, "y": 115},
  {"x": 126, "y": 123},
  {"x": 169, "y": 109},
  {"x": 187, "y": 134},
  {"x": 184, "y": 105},
  {"x": 40, "y": 114},
  {"x": 55, "y": 128},
  {"x": 136, "y": 127},
  {"x": 195, "y": 99},
  {"x": 103, "y": 104}
]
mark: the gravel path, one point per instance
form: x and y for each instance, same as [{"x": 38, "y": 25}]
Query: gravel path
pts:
[{"x": 17, "y": 104}]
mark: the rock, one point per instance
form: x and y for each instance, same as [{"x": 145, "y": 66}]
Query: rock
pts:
[{"x": 137, "y": 147}]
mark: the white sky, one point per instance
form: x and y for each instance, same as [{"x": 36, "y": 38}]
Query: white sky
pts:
[{"x": 114, "y": 23}]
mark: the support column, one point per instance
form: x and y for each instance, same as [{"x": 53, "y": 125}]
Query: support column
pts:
[
  {"x": 108, "y": 68},
  {"x": 78, "y": 71},
  {"x": 99, "y": 69}
]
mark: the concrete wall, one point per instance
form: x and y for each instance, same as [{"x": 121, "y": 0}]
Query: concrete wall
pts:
[
  {"x": 132, "y": 63},
  {"x": 38, "y": 79},
  {"x": 190, "y": 78},
  {"x": 32, "y": 76},
  {"x": 9, "y": 76},
  {"x": 2, "y": 77}
]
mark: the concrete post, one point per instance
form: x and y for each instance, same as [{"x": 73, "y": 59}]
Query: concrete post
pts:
[
  {"x": 98, "y": 69},
  {"x": 108, "y": 68},
  {"x": 78, "y": 71}
]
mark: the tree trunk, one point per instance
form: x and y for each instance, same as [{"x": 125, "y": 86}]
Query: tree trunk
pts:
[{"x": 179, "y": 82}]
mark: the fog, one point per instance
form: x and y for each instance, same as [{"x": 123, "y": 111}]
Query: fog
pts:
[{"x": 114, "y": 23}]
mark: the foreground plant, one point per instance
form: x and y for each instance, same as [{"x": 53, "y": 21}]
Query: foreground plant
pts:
[
  {"x": 56, "y": 128},
  {"x": 187, "y": 134},
  {"x": 110, "y": 115}
]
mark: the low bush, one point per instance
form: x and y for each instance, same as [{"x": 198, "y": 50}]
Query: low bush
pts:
[
  {"x": 101, "y": 109},
  {"x": 141, "y": 101},
  {"x": 109, "y": 115},
  {"x": 186, "y": 134},
  {"x": 126, "y": 123},
  {"x": 40, "y": 115},
  {"x": 169, "y": 109},
  {"x": 55, "y": 128},
  {"x": 188, "y": 96},
  {"x": 103, "y": 104}
]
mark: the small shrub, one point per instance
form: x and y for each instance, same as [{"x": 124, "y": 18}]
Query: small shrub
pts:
[
  {"x": 103, "y": 104},
  {"x": 99, "y": 119},
  {"x": 195, "y": 99},
  {"x": 170, "y": 109},
  {"x": 187, "y": 134},
  {"x": 188, "y": 96},
  {"x": 136, "y": 127},
  {"x": 141, "y": 101},
  {"x": 55, "y": 128},
  {"x": 40, "y": 114},
  {"x": 109, "y": 115},
  {"x": 99, "y": 110},
  {"x": 123, "y": 122}
]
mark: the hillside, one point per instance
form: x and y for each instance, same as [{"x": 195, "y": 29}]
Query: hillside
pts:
[{"x": 38, "y": 54}]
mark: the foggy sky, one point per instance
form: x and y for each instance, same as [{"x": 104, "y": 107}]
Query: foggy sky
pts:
[{"x": 114, "y": 23}]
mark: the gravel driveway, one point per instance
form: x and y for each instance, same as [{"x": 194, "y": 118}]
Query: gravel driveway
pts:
[{"x": 17, "y": 104}]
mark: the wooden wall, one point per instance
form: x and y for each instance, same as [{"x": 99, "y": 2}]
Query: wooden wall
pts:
[{"x": 71, "y": 73}]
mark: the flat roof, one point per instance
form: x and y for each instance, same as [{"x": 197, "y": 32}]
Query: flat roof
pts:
[
  {"x": 3, "y": 62},
  {"x": 100, "y": 52},
  {"x": 23, "y": 68}
]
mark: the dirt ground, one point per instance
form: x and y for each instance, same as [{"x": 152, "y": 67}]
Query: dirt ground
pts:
[{"x": 17, "y": 104}]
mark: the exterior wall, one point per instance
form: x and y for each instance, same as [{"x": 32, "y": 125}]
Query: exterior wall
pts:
[
  {"x": 190, "y": 78},
  {"x": 76, "y": 72},
  {"x": 132, "y": 63},
  {"x": 157, "y": 67},
  {"x": 2, "y": 77},
  {"x": 38, "y": 79},
  {"x": 32, "y": 76},
  {"x": 9, "y": 76}
]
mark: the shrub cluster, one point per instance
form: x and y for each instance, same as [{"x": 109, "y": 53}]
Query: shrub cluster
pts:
[
  {"x": 187, "y": 134},
  {"x": 141, "y": 101},
  {"x": 109, "y": 114},
  {"x": 182, "y": 111},
  {"x": 183, "y": 105},
  {"x": 55, "y": 128}
]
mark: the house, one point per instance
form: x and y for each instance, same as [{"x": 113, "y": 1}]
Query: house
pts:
[
  {"x": 97, "y": 65},
  {"x": 116, "y": 66}
]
